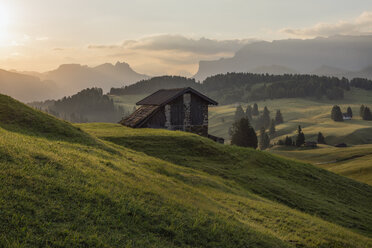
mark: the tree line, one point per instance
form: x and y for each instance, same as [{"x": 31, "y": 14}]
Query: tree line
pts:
[
  {"x": 243, "y": 132},
  {"x": 361, "y": 83},
  {"x": 337, "y": 115},
  {"x": 246, "y": 122},
  {"x": 245, "y": 87},
  {"x": 88, "y": 105},
  {"x": 156, "y": 83}
]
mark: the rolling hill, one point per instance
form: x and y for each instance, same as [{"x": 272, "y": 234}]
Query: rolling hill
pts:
[
  {"x": 314, "y": 115},
  {"x": 104, "y": 185},
  {"x": 24, "y": 87},
  {"x": 66, "y": 80},
  {"x": 354, "y": 162},
  {"x": 75, "y": 77}
]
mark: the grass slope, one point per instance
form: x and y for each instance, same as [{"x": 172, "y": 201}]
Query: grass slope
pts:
[
  {"x": 296, "y": 185},
  {"x": 18, "y": 117},
  {"x": 62, "y": 193},
  {"x": 354, "y": 162}
]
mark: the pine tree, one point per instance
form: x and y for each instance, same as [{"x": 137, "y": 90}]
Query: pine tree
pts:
[
  {"x": 272, "y": 128},
  {"x": 288, "y": 141},
  {"x": 349, "y": 112},
  {"x": 243, "y": 134},
  {"x": 367, "y": 115},
  {"x": 239, "y": 113},
  {"x": 255, "y": 111},
  {"x": 264, "y": 139},
  {"x": 361, "y": 110},
  {"x": 321, "y": 139},
  {"x": 336, "y": 114},
  {"x": 248, "y": 112},
  {"x": 266, "y": 118},
  {"x": 278, "y": 117},
  {"x": 300, "y": 137}
]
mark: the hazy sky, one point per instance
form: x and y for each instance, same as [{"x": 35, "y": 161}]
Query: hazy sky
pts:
[{"x": 161, "y": 36}]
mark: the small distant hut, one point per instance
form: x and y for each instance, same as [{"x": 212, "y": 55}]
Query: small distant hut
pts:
[
  {"x": 311, "y": 144},
  {"x": 346, "y": 117},
  {"x": 174, "y": 109},
  {"x": 341, "y": 145}
]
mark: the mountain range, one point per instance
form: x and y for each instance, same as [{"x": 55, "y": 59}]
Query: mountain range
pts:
[
  {"x": 341, "y": 56},
  {"x": 349, "y": 56},
  {"x": 26, "y": 88},
  {"x": 66, "y": 80}
]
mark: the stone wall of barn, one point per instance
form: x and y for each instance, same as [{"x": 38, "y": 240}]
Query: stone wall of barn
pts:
[{"x": 196, "y": 115}]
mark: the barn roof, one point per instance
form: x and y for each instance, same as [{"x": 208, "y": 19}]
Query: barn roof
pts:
[
  {"x": 139, "y": 116},
  {"x": 164, "y": 96}
]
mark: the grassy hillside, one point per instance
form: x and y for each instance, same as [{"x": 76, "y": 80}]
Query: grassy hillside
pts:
[
  {"x": 259, "y": 172},
  {"x": 154, "y": 188},
  {"x": 354, "y": 162},
  {"x": 17, "y": 117},
  {"x": 313, "y": 115}
]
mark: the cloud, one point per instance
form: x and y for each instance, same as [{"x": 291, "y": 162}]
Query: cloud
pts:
[
  {"x": 167, "y": 53},
  {"x": 358, "y": 26},
  {"x": 184, "y": 44},
  {"x": 103, "y": 46},
  {"x": 179, "y": 43},
  {"x": 43, "y": 38}
]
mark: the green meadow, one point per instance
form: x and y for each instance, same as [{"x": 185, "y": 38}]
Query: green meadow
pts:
[
  {"x": 312, "y": 114},
  {"x": 354, "y": 162},
  {"x": 104, "y": 185},
  {"x": 315, "y": 116}
]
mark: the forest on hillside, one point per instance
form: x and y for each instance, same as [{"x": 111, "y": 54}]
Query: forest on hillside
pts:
[
  {"x": 244, "y": 87},
  {"x": 89, "y": 105},
  {"x": 153, "y": 84}
]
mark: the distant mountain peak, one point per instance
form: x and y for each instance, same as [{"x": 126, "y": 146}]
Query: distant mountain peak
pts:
[
  {"x": 352, "y": 53},
  {"x": 122, "y": 64},
  {"x": 75, "y": 77}
]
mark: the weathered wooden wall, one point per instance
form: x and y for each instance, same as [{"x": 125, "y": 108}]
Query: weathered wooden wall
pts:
[
  {"x": 157, "y": 120},
  {"x": 177, "y": 113},
  {"x": 188, "y": 112}
]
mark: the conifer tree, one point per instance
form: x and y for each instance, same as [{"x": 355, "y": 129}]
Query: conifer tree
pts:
[
  {"x": 336, "y": 114},
  {"x": 248, "y": 112},
  {"x": 361, "y": 110},
  {"x": 349, "y": 112},
  {"x": 300, "y": 137},
  {"x": 255, "y": 111},
  {"x": 272, "y": 128},
  {"x": 264, "y": 139},
  {"x": 239, "y": 113},
  {"x": 266, "y": 118},
  {"x": 321, "y": 139},
  {"x": 243, "y": 134},
  {"x": 278, "y": 117},
  {"x": 288, "y": 141},
  {"x": 367, "y": 115}
]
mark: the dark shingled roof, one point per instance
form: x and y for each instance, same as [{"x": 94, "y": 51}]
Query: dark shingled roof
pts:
[
  {"x": 162, "y": 97},
  {"x": 139, "y": 116}
]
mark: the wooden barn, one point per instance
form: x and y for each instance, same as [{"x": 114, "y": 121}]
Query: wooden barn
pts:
[{"x": 175, "y": 109}]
